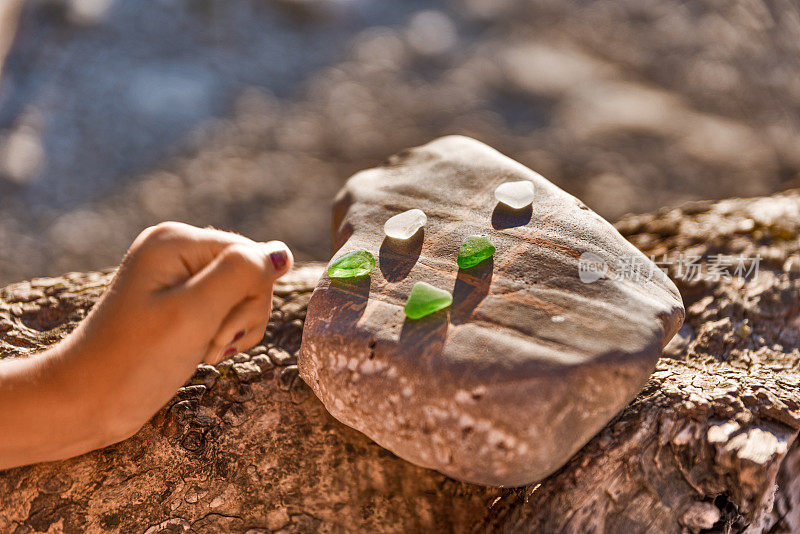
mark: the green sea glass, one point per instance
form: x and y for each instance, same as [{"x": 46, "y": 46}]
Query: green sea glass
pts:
[
  {"x": 474, "y": 250},
  {"x": 352, "y": 265},
  {"x": 426, "y": 299}
]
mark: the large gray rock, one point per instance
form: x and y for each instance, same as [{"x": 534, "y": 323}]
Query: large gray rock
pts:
[{"x": 528, "y": 363}]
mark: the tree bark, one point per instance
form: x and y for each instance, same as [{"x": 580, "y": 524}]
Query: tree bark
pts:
[{"x": 709, "y": 445}]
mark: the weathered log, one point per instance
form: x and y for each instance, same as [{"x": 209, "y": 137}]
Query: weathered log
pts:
[
  {"x": 711, "y": 442},
  {"x": 242, "y": 446}
]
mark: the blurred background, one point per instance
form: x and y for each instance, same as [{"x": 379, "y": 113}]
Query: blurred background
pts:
[{"x": 250, "y": 114}]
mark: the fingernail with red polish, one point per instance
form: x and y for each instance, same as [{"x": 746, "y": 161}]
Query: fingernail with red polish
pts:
[
  {"x": 238, "y": 335},
  {"x": 278, "y": 259},
  {"x": 228, "y": 353}
]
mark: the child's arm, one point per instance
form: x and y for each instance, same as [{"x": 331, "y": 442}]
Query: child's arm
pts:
[{"x": 182, "y": 295}]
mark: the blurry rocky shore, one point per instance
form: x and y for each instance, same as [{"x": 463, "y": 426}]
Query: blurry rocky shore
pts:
[{"x": 250, "y": 115}]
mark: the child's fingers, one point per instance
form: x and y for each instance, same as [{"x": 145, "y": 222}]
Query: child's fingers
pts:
[
  {"x": 206, "y": 244},
  {"x": 216, "y": 354},
  {"x": 252, "y": 336},
  {"x": 238, "y": 272},
  {"x": 196, "y": 247},
  {"x": 245, "y": 317}
]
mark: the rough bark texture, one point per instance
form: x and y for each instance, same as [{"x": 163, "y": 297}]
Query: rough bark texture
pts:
[{"x": 709, "y": 444}]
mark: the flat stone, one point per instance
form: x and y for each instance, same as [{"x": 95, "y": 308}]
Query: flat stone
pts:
[
  {"x": 426, "y": 299},
  {"x": 516, "y": 195},
  {"x": 474, "y": 250},
  {"x": 352, "y": 265},
  {"x": 492, "y": 390},
  {"x": 405, "y": 225}
]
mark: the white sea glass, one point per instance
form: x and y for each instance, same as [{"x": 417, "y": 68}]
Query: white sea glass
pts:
[
  {"x": 515, "y": 195},
  {"x": 406, "y": 224}
]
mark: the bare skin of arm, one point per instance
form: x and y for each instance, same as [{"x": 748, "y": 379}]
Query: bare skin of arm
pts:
[{"x": 182, "y": 296}]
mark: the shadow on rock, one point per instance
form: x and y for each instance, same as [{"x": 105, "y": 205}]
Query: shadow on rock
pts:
[
  {"x": 397, "y": 257},
  {"x": 472, "y": 286},
  {"x": 427, "y": 334},
  {"x": 505, "y": 217},
  {"x": 349, "y": 300}
]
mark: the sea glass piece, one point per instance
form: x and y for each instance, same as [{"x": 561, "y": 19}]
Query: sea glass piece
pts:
[
  {"x": 405, "y": 225},
  {"x": 515, "y": 195},
  {"x": 426, "y": 299},
  {"x": 473, "y": 250},
  {"x": 352, "y": 265}
]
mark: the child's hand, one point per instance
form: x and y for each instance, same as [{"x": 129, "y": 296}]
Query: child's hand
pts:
[{"x": 182, "y": 295}]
